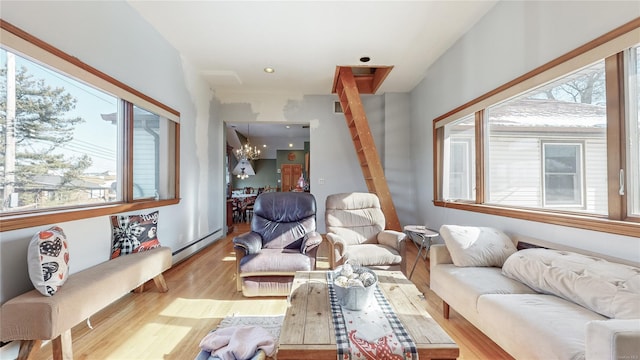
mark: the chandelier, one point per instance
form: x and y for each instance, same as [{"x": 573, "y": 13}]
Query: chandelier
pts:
[
  {"x": 246, "y": 151},
  {"x": 242, "y": 175}
]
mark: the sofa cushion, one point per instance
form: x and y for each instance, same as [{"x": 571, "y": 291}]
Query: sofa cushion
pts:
[
  {"x": 461, "y": 287},
  {"x": 477, "y": 246},
  {"x": 536, "y": 326},
  {"x": 608, "y": 288}
]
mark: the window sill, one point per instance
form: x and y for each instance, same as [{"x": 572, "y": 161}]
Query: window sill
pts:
[
  {"x": 10, "y": 222},
  {"x": 587, "y": 222}
]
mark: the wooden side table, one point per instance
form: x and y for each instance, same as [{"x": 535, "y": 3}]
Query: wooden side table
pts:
[{"x": 426, "y": 236}]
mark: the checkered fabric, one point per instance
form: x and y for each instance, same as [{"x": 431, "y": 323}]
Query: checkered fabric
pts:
[
  {"x": 346, "y": 350},
  {"x": 398, "y": 329},
  {"x": 126, "y": 235},
  {"x": 342, "y": 339}
]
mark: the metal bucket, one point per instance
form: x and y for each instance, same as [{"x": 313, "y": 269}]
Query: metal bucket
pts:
[{"x": 354, "y": 297}]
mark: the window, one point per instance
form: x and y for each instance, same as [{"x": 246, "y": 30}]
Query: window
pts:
[
  {"x": 459, "y": 172},
  {"x": 525, "y": 167},
  {"x": 633, "y": 129},
  {"x": 57, "y": 150},
  {"x": 562, "y": 175},
  {"x": 560, "y": 144},
  {"x": 77, "y": 143}
]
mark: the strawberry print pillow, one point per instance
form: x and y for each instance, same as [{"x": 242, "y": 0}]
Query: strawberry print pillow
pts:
[
  {"x": 134, "y": 233},
  {"x": 48, "y": 260}
]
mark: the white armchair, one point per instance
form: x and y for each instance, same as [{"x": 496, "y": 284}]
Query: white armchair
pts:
[{"x": 356, "y": 231}]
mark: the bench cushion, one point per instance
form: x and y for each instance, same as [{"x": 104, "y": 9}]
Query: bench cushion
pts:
[{"x": 32, "y": 316}]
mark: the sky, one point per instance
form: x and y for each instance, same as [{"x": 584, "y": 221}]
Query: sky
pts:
[{"x": 95, "y": 137}]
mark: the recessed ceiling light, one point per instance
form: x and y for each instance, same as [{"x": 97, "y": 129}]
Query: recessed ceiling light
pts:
[
  {"x": 365, "y": 59},
  {"x": 269, "y": 70},
  {"x": 290, "y": 145},
  {"x": 288, "y": 127},
  {"x": 264, "y": 145}
]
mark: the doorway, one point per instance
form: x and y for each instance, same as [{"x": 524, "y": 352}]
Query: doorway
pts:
[{"x": 289, "y": 175}]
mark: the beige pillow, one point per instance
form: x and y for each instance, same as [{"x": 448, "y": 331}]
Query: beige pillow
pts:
[{"x": 477, "y": 246}]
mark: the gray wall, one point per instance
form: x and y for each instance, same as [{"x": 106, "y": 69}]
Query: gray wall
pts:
[
  {"x": 113, "y": 38},
  {"x": 266, "y": 175},
  {"x": 512, "y": 39}
]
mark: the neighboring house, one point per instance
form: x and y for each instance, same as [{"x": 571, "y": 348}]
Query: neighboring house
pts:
[
  {"x": 542, "y": 153},
  {"x": 50, "y": 187}
]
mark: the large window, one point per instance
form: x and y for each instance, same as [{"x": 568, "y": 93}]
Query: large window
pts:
[
  {"x": 560, "y": 145},
  {"x": 531, "y": 161},
  {"x": 57, "y": 150},
  {"x": 77, "y": 143}
]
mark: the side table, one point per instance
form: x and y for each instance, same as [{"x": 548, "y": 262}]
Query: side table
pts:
[{"x": 426, "y": 236}]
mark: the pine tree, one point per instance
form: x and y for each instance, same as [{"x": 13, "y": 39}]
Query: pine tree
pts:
[{"x": 40, "y": 126}]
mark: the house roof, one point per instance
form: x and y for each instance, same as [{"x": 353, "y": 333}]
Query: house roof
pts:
[{"x": 548, "y": 113}]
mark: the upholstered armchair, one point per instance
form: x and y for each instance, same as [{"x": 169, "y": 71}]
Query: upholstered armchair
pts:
[
  {"x": 282, "y": 240},
  {"x": 356, "y": 231}
]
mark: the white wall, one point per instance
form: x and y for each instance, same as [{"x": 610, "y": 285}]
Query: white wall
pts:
[
  {"x": 334, "y": 164},
  {"x": 113, "y": 38},
  {"x": 512, "y": 39}
]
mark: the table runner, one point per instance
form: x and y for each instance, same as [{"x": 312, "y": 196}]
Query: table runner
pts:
[{"x": 395, "y": 343}]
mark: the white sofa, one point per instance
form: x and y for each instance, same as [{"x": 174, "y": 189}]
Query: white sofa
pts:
[{"x": 540, "y": 303}]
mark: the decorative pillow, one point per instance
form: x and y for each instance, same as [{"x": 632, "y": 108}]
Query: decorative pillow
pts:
[
  {"x": 477, "y": 246},
  {"x": 48, "y": 260},
  {"x": 608, "y": 288},
  {"x": 134, "y": 233}
]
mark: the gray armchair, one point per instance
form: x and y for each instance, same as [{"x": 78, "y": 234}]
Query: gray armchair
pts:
[
  {"x": 282, "y": 240},
  {"x": 356, "y": 231}
]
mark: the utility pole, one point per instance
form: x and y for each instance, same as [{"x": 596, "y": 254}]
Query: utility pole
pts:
[{"x": 10, "y": 133}]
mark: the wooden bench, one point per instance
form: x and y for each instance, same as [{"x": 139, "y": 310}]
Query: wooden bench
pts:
[{"x": 32, "y": 317}]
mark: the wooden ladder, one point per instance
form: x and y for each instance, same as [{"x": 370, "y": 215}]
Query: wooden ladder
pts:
[{"x": 349, "y": 82}]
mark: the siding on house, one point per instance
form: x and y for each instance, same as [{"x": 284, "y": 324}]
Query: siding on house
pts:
[
  {"x": 516, "y": 169},
  {"x": 144, "y": 157}
]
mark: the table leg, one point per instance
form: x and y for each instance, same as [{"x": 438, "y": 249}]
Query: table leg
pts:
[{"x": 417, "y": 256}]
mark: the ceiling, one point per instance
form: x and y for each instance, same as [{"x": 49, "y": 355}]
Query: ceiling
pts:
[{"x": 231, "y": 42}]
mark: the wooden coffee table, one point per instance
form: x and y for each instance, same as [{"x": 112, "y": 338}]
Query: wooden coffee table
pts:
[{"x": 308, "y": 333}]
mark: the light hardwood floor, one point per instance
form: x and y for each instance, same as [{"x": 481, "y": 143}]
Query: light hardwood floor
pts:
[{"x": 154, "y": 325}]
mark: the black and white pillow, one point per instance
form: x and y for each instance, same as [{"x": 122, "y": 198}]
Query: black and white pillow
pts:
[{"x": 134, "y": 233}]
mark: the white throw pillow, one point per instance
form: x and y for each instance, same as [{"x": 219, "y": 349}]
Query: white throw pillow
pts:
[
  {"x": 477, "y": 246},
  {"x": 48, "y": 260},
  {"x": 608, "y": 288}
]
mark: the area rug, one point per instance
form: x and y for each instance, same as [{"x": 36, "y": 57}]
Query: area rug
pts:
[{"x": 271, "y": 323}]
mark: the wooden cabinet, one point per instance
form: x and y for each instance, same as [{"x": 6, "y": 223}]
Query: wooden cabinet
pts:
[{"x": 289, "y": 175}]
